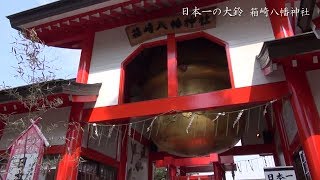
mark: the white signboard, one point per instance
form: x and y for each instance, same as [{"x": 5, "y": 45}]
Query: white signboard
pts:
[
  {"x": 22, "y": 166},
  {"x": 280, "y": 173}
]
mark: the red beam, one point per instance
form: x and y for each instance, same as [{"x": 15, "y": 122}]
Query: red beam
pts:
[
  {"x": 212, "y": 100},
  {"x": 304, "y": 61},
  {"x": 280, "y": 24},
  {"x": 84, "y": 99},
  {"x": 99, "y": 157},
  {"x": 194, "y": 177},
  {"x": 194, "y": 161},
  {"x": 58, "y": 149},
  {"x": 249, "y": 150}
]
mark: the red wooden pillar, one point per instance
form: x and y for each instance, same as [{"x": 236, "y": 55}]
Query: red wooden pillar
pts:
[
  {"x": 172, "y": 66},
  {"x": 68, "y": 165},
  {"x": 217, "y": 171},
  {"x": 280, "y": 24},
  {"x": 307, "y": 117},
  {"x": 277, "y": 108},
  {"x": 122, "y": 171},
  {"x": 172, "y": 172}
]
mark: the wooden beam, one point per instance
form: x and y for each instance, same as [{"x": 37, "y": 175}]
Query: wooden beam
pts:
[
  {"x": 16, "y": 107},
  {"x": 194, "y": 161},
  {"x": 84, "y": 99},
  {"x": 56, "y": 149},
  {"x": 211, "y": 100},
  {"x": 194, "y": 177}
]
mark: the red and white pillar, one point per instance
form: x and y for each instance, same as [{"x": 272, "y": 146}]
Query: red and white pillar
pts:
[
  {"x": 304, "y": 108},
  {"x": 68, "y": 165},
  {"x": 280, "y": 24},
  {"x": 172, "y": 172},
  {"x": 307, "y": 117}
]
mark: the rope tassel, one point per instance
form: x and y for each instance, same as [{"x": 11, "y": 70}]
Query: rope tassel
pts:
[
  {"x": 218, "y": 115},
  {"x": 238, "y": 118},
  {"x": 190, "y": 123}
]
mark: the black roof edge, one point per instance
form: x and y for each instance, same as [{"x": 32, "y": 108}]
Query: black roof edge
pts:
[
  {"x": 69, "y": 86},
  {"x": 290, "y": 46},
  {"x": 48, "y": 10}
]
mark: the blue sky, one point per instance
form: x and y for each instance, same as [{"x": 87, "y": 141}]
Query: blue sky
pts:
[{"x": 65, "y": 60}]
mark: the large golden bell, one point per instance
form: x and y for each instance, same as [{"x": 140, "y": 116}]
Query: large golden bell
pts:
[{"x": 175, "y": 134}]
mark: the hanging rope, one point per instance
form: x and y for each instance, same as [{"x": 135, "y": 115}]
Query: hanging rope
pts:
[{"x": 190, "y": 123}]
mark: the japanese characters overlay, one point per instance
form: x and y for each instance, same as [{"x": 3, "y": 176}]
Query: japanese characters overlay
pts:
[{"x": 254, "y": 12}]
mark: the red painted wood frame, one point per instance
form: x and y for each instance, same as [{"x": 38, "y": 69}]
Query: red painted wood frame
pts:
[
  {"x": 68, "y": 165},
  {"x": 304, "y": 61},
  {"x": 217, "y": 99},
  {"x": 195, "y": 177},
  {"x": 306, "y": 116},
  {"x": 64, "y": 34},
  {"x": 280, "y": 24},
  {"x": 172, "y": 60},
  {"x": 195, "y": 161}
]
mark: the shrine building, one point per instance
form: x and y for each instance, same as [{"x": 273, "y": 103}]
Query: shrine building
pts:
[{"x": 175, "y": 85}]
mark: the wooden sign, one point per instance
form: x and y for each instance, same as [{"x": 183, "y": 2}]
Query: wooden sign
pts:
[
  {"x": 141, "y": 32},
  {"x": 26, "y": 155}
]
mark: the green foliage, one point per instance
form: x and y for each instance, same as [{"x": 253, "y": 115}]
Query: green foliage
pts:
[{"x": 160, "y": 174}]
